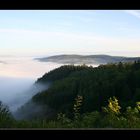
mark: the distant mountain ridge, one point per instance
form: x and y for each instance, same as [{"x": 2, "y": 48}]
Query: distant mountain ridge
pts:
[
  {"x": 2, "y": 62},
  {"x": 87, "y": 59}
]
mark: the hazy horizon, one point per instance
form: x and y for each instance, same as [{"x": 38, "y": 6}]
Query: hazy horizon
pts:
[{"x": 24, "y": 67}]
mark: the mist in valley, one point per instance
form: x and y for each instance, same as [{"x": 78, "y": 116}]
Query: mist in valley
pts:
[
  {"x": 17, "y": 80},
  {"x": 18, "y": 77},
  {"x": 15, "y": 92}
]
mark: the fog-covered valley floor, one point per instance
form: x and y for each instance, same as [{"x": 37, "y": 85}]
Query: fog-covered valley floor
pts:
[
  {"x": 17, "y": 78},
  {"x": 13, "y": 91}
]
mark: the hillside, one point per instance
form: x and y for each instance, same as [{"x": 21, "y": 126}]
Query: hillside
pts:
[
  {"x": 83, "y": 97},
  {"x": 95, "y": 85},
  {"x": 47, "y": 79},
  {"x": 87, "y": 59}
]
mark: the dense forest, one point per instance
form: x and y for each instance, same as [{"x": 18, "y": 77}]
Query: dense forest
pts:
[{"x": 82, "y": 96}]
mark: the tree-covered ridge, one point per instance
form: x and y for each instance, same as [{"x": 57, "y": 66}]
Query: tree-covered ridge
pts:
[
  {"x": 85, "y": 97},
  {"x": 110, "y": 116},
  {"x": 95, "y": 85},
  {"x": 60, "y": 73}
]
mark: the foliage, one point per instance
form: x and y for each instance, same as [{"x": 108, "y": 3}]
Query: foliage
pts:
[
  {"x": 95, "y": 85},
  {"x": 85, "y": 97},
  {"x": 77, "y": 106},
  {"x": 108, "y": 119},
  {"x": 5, "y": 116},
  {"x": 113, "y": 106}
]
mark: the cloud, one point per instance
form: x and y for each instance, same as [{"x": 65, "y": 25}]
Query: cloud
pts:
[
  {"x": 135, "y": 13},
  {"x": 45, "y": 42}
]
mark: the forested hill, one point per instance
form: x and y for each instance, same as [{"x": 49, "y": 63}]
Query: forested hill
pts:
[
  {"x": 83, "y": 96},
  {"x": 87, "y": 59},
  {"x": 95, "y": 85},
  {"x": 60, "y": 73}
]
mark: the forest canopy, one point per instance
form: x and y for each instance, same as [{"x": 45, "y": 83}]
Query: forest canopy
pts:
[{"x": 84, "y": 96}]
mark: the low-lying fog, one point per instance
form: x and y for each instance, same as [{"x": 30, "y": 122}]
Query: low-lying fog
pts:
[
  {"x": 12, "y": 91},
  {"x": 17, "y": 76},
  {"x": 25, "y": 67}
]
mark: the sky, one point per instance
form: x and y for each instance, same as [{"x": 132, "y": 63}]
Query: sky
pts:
[{"x": 51, "y": 32}]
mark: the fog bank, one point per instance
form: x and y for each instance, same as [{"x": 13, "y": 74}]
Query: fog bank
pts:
[
  {"x": 14, "y": 92},
  {"x": 17, "y": 77}
]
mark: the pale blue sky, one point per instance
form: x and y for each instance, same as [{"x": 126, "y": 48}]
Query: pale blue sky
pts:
[{"x": 47, "y": 32}]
